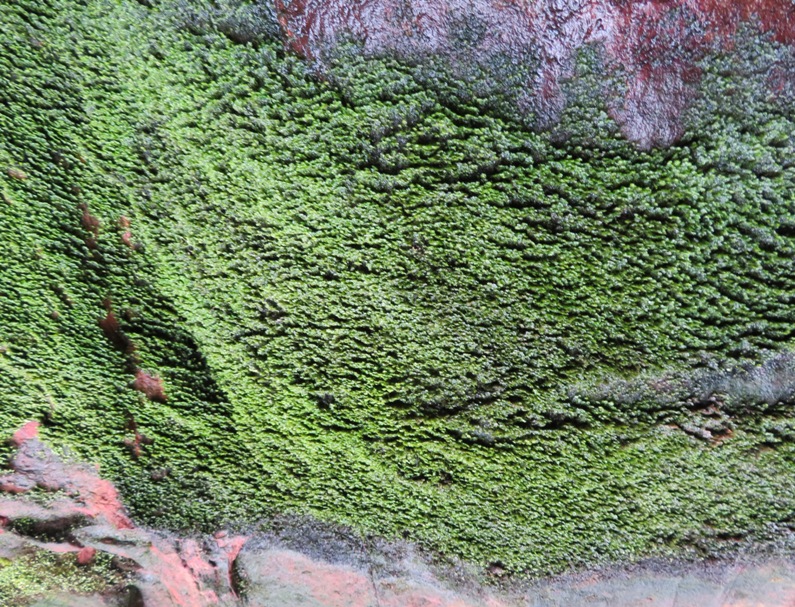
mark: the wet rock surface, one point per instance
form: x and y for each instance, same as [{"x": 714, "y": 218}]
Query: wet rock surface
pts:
[{"x": 159, "y": 570}]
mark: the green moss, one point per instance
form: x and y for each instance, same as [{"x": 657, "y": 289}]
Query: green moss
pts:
[
  {"x": 42, "y": 574},
  {"x": 370, "y": 296}
]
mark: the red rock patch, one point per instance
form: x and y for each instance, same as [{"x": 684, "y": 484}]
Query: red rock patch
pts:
[{"x": 150, "y": 385}]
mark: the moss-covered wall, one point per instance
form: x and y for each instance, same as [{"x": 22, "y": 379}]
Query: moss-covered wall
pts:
[{"x": 375, "y": 298}]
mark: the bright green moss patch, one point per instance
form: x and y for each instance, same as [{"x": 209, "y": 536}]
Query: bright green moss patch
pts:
[{"x": 375, "y": 300}]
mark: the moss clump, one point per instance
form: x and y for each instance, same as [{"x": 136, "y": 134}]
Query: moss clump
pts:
[
  {"x": 41, "y": 574},
  {"x": 368, "y": 295}
]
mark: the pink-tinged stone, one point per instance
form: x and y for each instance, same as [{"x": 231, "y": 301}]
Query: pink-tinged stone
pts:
[
  {"x": 182, "y": 587},
  {"x": 230, "y": 547},
  {"x": 36, "y": 465},
  {"x": 60, "y": 514},
  {"x": 283, "y": 577},
  {"x": 406, "y": 593},
  {"x": 770, "y": 584},
  {"x": 86, "y": 555},
  {"x": 194, "y": 559},
  {"x": 57, "y": 548},
  {"x": 169, "y": 572},
  {"x": 29, "y": 431},
  {"x": 16, "y": 483}
]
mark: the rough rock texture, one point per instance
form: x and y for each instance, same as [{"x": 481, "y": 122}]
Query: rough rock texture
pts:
[
  {"x": 652, "y": 48},
  {"x": 282, "y": 577},
  {"x": 164, "y": 571},
  {"x": 86, "y": 495}
]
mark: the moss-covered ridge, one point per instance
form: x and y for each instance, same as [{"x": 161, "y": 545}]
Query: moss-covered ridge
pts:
[
  {"x": 374, "y": 298},
  {"x": 527, "y": 50}
]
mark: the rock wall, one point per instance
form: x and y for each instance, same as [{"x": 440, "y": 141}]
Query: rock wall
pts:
[{"x": 652, "y": 50}]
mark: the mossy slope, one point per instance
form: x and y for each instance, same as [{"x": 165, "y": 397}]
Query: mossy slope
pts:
[{"x": 370, "y": 295}]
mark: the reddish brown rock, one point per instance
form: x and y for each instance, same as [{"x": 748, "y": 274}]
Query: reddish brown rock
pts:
[
  {"x": 28, "y": 431},
  {"x": 35, "y": 465},
  {"x": 169, "y": 572},
  {"x": 283, "y": 577},
  {"x": 86, "y": 555},
  {"x": 150, "y": 385}
]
